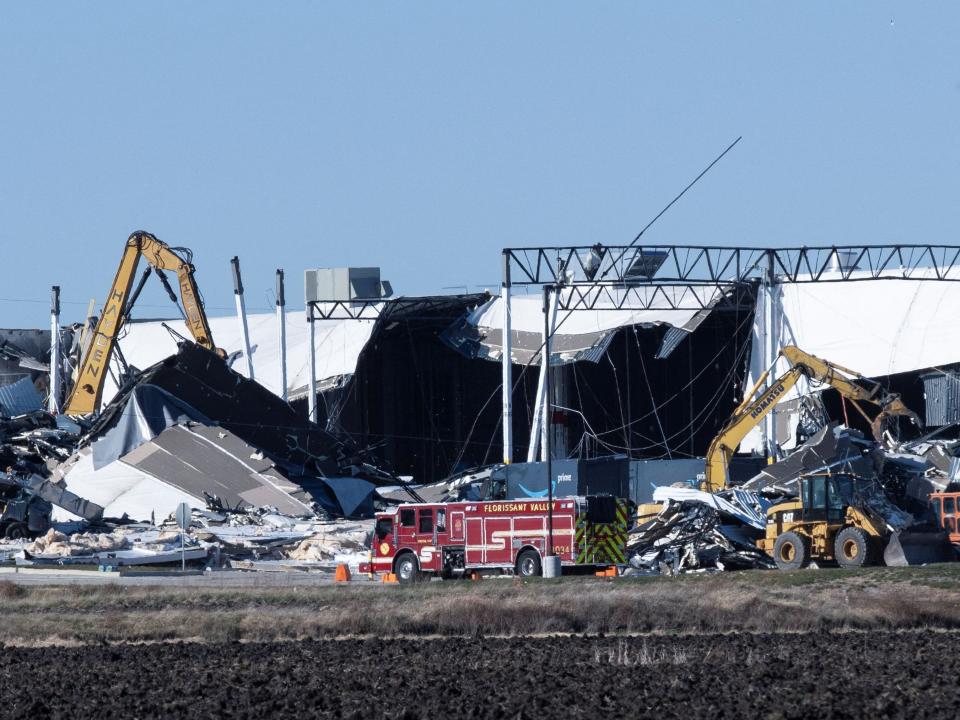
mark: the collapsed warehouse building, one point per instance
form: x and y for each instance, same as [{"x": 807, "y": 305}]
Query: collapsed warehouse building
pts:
[{"x": 651, "y": 349}]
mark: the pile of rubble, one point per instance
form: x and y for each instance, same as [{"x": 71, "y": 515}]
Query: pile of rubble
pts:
[
  {"x": 180, "y": 431},
  {"x": 248, "y": 539},
  {"x": 699, "y": 531}
]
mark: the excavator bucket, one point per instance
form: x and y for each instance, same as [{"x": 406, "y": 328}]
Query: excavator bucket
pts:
[{"x": 917, "y": 548}]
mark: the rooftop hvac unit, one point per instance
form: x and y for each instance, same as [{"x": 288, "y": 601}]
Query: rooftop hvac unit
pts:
[
  {"x": 843, "y": 260},
  {"x": 345, "y": 285}
]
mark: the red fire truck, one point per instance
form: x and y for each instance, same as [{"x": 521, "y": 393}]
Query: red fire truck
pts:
[{"x": 418, "y": 541}]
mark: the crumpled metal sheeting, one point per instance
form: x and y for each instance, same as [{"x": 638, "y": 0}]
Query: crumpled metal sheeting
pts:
[
  {"x": 19, "y": 398},
  {"x": 835, "y": 448},
  {"x": 33, "y": 443},
  {"x": 741, "y": 505},
  {"x": 687, "y": 536}
]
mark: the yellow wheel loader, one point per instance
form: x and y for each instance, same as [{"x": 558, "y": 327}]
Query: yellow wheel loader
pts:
[{"x": 843, "y": 518}]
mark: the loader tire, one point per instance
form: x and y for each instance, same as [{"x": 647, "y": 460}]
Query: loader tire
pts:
[
  {"x": 528, "y": 564},
  {"x": 407, "y": 568},
  {"x": 851, "y": 548},
  {"x": 791, "y": 551}
]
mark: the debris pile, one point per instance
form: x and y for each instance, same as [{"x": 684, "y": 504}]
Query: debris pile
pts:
[{"x": 699, "y": 531}]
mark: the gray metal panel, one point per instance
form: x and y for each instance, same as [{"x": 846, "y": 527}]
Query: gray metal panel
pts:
[
  {"x": 194, "y": 465},
  {"x": 19, "y": 398},
  {"x": 942, "y": 392}
]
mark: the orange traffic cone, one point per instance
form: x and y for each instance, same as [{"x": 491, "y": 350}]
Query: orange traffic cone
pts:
[
  {"x": 343, "y": 573},
  {"x": 390, "y": 578}
]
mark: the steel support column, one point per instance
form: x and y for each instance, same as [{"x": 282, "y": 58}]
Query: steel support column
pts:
[
  {"x": 53, "y": 403},
  {"x": 282, "y": 330},
  {"x": 507, "y": 365},
  {"x": 242, "y": 313}
]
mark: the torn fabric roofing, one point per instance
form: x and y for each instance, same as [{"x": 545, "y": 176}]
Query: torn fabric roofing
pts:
[{"x": 583, "y": 333}]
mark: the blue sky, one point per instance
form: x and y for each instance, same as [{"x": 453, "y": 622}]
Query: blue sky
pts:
[{"x": 425, "y": 137}]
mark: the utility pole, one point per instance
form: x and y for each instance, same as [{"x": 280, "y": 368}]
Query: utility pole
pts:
[
  {"x": 506, "y": 363},
  {"x": 551, "y": 562}
]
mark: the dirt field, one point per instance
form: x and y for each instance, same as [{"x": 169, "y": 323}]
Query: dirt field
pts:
[
  {"x": 875, "y": 643},
  {"x": 821, "y": 675}
]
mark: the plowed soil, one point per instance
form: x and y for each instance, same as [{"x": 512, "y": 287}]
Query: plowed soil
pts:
[{"x": 817, "y": 675}]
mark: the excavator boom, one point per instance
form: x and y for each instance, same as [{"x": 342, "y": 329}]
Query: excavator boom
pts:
[
  {"x": 88, "y": 389},
  {"x": 754, "y": 409}
]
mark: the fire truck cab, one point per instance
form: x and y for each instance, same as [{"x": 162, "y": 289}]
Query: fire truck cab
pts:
[{"x": 423, "y": 540}]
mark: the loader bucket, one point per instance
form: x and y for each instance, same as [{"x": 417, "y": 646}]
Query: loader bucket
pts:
[{"x": 917, "y": 548}]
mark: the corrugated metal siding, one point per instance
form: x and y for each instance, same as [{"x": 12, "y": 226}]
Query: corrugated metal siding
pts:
[
  {"x": 942, "y": 392},
  {"x": 19, "y": 398}
]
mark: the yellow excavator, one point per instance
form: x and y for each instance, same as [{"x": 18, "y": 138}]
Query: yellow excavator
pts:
[
  {"x": 837, "y": 517},
  {"x": 88, "y": 390},
  {"x": 755, "y": 407}
]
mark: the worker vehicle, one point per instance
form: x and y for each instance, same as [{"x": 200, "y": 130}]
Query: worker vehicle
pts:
[
  {"x": 88, "y": 389},
  {"x": 417, "y": 541},
  {"x": 838, "y": 518},
  {"x": 757, "y": 405},
  {"x": 946, "y": 509}
]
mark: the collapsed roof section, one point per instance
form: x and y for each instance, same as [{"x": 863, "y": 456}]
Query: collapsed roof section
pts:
[
  {"x": 583, "y": 333},
  {"x": 190, "y": 427}
]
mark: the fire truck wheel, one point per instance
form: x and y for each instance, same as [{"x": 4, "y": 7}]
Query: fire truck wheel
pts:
[
  {"x": 528, "y": 564},
  {"x": 407, "y": 568}
]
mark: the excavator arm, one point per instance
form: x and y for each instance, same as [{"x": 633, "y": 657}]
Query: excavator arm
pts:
[
  {"x": 746, "y": 417},
  {"x": 754, "y": 409},
  {"x": 88, "y": 389}
]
